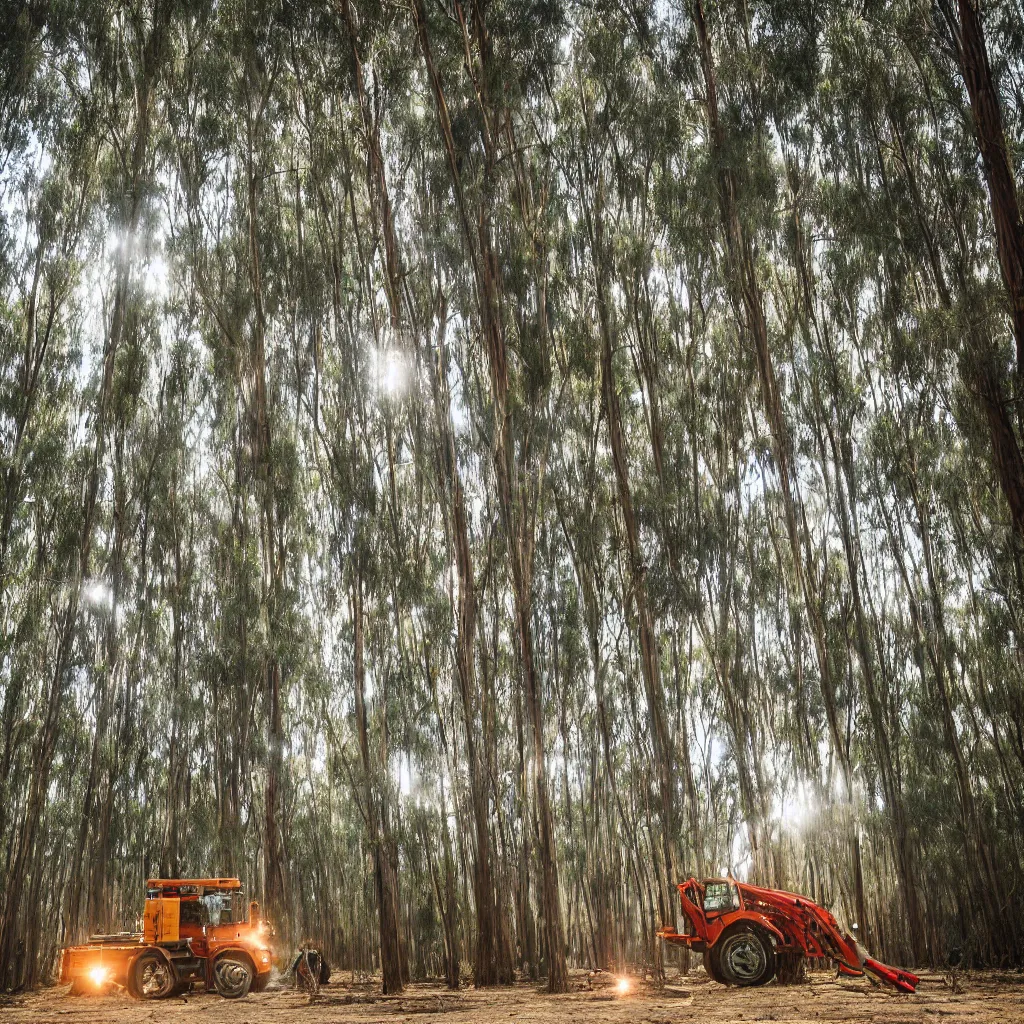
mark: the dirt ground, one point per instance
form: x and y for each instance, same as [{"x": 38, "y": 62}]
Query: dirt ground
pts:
[{"x": 986, "y": 998}]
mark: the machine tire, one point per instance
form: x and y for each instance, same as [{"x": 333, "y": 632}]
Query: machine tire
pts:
[
  {"x": 711, "y": 971},
  {"x": 151, "y": 976},
  {"x": 743, "y": 956},
  {"x": 233, "y": 975}
]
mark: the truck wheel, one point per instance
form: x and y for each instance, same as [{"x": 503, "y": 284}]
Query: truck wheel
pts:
[
  {"x": 152, "y": 977},
  {"x": 232, "y": 975},
  {"x": 744, "y": 956}
]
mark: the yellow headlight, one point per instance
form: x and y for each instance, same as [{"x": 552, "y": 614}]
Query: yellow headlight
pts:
[{"x": 98, "y": 975}]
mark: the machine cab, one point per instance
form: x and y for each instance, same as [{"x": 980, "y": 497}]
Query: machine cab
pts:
[{"x": 721, "y": 895}]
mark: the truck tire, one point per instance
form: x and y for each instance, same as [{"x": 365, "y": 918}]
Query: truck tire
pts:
[
  {"x": 151, "y": 976},
  {"x": 744, "y": 956},
  {"x": 233, "y": 974}
]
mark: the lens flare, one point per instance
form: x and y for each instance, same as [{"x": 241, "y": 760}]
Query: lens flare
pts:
[
  {"x": 98, "y": 975},
  {"x": 623, "y": 986}
]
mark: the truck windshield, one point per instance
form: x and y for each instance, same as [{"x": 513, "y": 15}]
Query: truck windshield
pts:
[{"x": 219, "y": 907}]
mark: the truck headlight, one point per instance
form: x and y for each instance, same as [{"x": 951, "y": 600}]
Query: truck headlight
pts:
[{"x": 98, "y": 975}]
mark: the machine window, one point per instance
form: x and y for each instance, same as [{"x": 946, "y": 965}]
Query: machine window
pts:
[
  {"x": 719, "y": 896},
  {"x": 193, "y": 912},
  {"x": 218, "y": 907}
]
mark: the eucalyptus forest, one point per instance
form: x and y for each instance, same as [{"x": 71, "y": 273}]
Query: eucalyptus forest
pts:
[{"x": 467, "y": 466}]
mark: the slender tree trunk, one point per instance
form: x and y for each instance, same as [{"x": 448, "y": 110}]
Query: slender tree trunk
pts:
[
  {"x": 487, "y": 970},
  {"x": 650, "y": 658},
  {"x": 995, "y": 159},
  {"x": 385, "y": 883},
  {"x": 517, "y": 522}
]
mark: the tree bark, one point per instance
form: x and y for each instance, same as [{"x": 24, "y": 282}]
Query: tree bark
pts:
[
  {"x": 998, "y": 167},
  {"x": 384, "y": 881},
  {"x": 650, "y": 655}
]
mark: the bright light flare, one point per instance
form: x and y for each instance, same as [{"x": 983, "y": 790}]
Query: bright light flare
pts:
[
  {"x": 98, "y": 975},
  {"x": 797, "y": 810},
  {"x": 391, "y": 374},
  {"x": 98, "y": 596},
  {"x": 157, "y": 278},
  {"x": 623, "y": 987},
  {"x": 393, "y": 378}
]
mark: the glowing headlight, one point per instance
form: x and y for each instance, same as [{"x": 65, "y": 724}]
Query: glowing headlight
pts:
[
  {"x": 98, "y": 975},
  {"x": 622, "y": 987}
]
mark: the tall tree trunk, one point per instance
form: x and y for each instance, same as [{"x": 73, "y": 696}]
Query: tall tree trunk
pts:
[
  {"x": 272, "y": 531},
  {"x": 517, "y": 522},
  {"x": 384, "y": 881},
  {"x": 833, "y": 419},
  {"x": 650, "y": 656},
  {"x": 995, "y": 159},
  {"x": 487, "y": 969},
  {"x": 748, "y": 300}
]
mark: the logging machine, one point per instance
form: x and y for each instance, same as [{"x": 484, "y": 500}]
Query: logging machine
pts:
[
  {"x": 194, "y": 930},
  {"x": 749, "y": 935}
]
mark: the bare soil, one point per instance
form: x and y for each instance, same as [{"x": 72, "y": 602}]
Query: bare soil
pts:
[{"x": 988, "y": 997}]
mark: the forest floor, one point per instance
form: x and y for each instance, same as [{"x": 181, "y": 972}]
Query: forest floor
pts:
[{"x": 988, "y": 997}]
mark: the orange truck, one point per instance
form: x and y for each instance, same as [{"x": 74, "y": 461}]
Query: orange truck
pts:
[{"x": 194, "y": 930}]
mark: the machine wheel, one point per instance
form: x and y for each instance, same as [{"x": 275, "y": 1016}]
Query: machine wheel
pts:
[
  {"x": 152, "y": 977},
  {"x": 711, "y": 971},
  {"x": 233, "y": 975},
  {"x": 744, "y": 956}
]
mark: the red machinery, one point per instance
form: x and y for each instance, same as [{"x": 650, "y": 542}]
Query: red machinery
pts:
[{"x": 748, "y": 935}]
